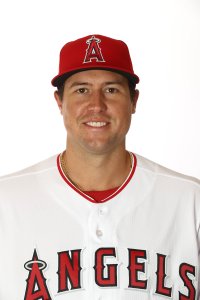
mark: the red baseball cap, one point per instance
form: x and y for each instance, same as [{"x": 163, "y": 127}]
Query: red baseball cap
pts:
[{"x": 94, "y": 52}]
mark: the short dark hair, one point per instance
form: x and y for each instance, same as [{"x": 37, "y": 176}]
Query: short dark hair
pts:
[
  {"x": 131, "y": 85},
  {"x": 60, "y": 90}
]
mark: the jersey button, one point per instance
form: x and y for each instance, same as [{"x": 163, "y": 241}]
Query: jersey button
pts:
[
  {"x": 103, "y": 210},
  {"x": 99, "y": 233}
]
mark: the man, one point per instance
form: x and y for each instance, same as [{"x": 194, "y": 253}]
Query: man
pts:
[{"x": 102, "y": 222}]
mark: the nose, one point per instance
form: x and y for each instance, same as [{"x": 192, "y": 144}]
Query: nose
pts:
[{"x": 97, "y": 102}]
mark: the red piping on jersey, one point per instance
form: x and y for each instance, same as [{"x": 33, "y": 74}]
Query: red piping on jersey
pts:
[{"x": 89, "y": 198}]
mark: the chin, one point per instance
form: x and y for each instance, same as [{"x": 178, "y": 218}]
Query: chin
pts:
[
  {"x": 98, "y": 147},
  {"x": 96, "y": 150}
]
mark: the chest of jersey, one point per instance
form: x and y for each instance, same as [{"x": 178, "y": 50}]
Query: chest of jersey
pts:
[{"x": 57, "y": 245}]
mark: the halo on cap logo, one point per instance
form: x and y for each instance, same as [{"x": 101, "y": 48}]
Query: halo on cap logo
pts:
[{"x": 93, "y": 51}]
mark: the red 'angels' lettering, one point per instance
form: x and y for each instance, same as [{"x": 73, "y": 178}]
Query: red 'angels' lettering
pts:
[
  {"x": 160, "y": 287},
  {"x": 93, "y": 51},
  {"x": 69, "y": 273},
  {"x": 100, "y": 279},
  {"x": 135, "y": 267},
  {"x": 69, "y": 270},
  {"x": 36, "y": 283},
  {"x": 184, "y": 269}
]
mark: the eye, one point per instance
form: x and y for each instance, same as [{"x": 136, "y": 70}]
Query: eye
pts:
[
  {"x": 111, "y": 90},
  {"x": 82, "y": 91}
]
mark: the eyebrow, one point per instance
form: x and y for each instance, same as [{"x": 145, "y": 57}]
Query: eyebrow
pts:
[{"x": 81, "y": 83}]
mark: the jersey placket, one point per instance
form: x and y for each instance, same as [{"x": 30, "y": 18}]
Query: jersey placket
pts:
[{"x": 100, "y": 235}]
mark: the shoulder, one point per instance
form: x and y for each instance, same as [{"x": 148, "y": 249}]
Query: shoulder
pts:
[
  {"x": 172, "y": 190},
  {"x": 168, "y": 186},
  {"x": 35, "y": 170},
  {"x": 162, "y": 173}
]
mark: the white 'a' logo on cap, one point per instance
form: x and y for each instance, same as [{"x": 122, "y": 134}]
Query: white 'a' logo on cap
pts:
[{"x": 93, "y": 50}]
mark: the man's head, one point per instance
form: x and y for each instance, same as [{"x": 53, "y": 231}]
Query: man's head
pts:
[{"x": 96, "y": 92}]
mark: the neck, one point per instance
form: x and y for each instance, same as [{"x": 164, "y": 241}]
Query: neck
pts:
[{"x": 89, "y": 171}]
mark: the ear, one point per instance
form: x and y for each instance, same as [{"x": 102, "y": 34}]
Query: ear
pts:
[
  {"x": 134, "y": 100},
  {"x": 58, "y": 100}
]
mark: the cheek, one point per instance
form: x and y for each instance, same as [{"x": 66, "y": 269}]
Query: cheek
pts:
[
  {"x": 71, "y": 114},
  {"x": 124, "y": 113},
  {"x": 124, "y": 118}
]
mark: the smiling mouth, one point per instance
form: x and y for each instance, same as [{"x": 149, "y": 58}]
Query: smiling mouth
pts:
[{"x": 96, "y": 124}]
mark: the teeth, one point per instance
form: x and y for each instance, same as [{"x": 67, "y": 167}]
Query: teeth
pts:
[{"x": 96, "y": 124}]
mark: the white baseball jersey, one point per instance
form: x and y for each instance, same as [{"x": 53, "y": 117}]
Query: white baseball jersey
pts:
[{"x": 142, "y": 242}]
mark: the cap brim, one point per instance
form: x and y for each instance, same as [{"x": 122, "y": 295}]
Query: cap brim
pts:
[{"x": 58, "y": 80}]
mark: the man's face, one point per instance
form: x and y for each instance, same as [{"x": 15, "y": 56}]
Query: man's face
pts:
[{"x": 96, "y": 109}]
